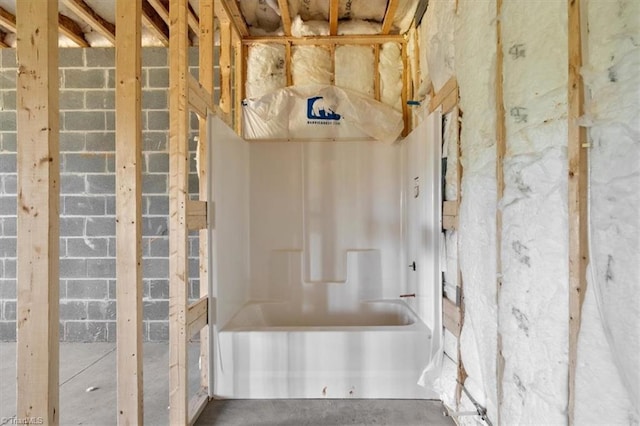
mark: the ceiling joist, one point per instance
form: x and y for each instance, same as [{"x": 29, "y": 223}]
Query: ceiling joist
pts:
[
  {"x": 327, "y": 40},
  {"x": 155, "y": 23},
  {"x": 95, "y": 21}
]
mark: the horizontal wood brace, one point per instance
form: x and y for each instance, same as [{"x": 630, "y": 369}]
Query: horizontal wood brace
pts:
[
  {"x": 199, "y": 98},
  {"x": 449, "y": 222},
  {"x": 197, "y": 404},
  {"x": 451, "y": 317},
  {"x": 438, "y": 99},
  {"x": 450, "y": 208},
  {"x": 196, "y": 214},
  {"x": 197, "y": 314},
  {"x": 327, "y": 40}
]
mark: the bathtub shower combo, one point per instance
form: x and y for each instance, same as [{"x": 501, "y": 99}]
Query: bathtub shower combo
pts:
[{"x": 327, "y": 278}]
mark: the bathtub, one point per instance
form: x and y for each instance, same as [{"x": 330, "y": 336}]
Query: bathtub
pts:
[{"x": 376, "y": 349}]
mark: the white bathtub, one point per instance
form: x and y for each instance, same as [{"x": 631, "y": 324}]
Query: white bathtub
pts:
[{"x": 378, "y": 349}]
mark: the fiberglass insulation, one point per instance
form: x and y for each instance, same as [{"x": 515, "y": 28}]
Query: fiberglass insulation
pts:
[
  {"x": 607, "y": 382},
  {"x": 265, "y": 69},
  {"x": 311, "y": 65},
  {"x": 533, "y": 300},
  {"x": 390, "y": 69},
  {"x": 354, "y": 69}
]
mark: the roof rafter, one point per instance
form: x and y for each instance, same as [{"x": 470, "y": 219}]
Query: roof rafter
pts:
[
  {"x": 72, "y": 30},
  {"x": 163, "y": 12},
  {"x": 155, "y": 23},
  {"x": 285, "y": 15},
  {"x": 95, "y": 21},
  {"x": 389, "y": 16},
  {"x": 7, "y": 20},
  {"x": 333, "y": 17},
  {"x": 2, "y": 43},
  {"x": 233, "y": 12}
]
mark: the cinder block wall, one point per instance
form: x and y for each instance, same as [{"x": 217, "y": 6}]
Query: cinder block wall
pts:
[{"x": 87, "y": 200}]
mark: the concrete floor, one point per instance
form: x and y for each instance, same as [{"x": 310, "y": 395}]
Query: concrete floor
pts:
[{"x": 93, "y": 365}]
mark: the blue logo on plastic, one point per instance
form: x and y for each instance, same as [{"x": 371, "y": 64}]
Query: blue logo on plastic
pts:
[{"x": 317, "y": 110}]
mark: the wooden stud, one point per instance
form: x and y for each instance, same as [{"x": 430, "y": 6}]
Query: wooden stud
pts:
[
  {"x": 578, "y": 181},
  {"x": 450, "y": 208},
  {"x": 288, "y": 64},
  {"x": 376, "y": 72},
  {"x": 449, "y": 223},
  {"x": 232, "y": 12},
  {"x": 129, "y": 286},
  {"x": 285, "y": 15},
  {"x": 239, "y": 83},
  {"x": 38, "y": 166},
  {"x": 155, "y": 23},
  {"x": 333, "y": 17},
  {"x": 197, "y": 315},
  {"x": 178, "y": 198},
  {"x": 326, "y": 40},
  {"x": 206, "y": 59},
  {"x": 72, "y": 31},
  {"x": 442, "y": 94},
  {"x": 501, "y": 148},
  {"x": 7, "y": 20},
  {"x": 389, "y": 16},
  {"x": 95, "y": 21},
  {"x": 196, "y": 214},
  {"x": 405, "y": 84},
  {"x": 225, "y": 67}
]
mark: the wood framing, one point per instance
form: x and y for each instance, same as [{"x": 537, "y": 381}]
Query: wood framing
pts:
[
  {"x": 2, "y": 43},
  {"x": 451, "y": 317},
  {"x": 288, "y": 64},
  {"x": 160, "y": 9},
  {"x": 376, "y": 72},
  {"x": 38, "y": 167},
  {"x": 72, "y": 31},
  {"x": 285, "y": 15},
  {"x": 578, "y": 175},
  {"x": 225, "y": 67},
  {"x": 155, "y": 23},
  {"x": 327, "y": 40},
  {"x": 389, "y": 16},
  {"x": 445, "y": 92},
  {"x": 129, "y": 286},
  {"x": 95, "y": 21},
  {"x": 501, "y": 148},
  {"x": 333, "y": 17},
  {"x": 239, "y": 61},
  {"x": 232, "y": 12},
  {"x": 206, "y": 60},
  {"x": 178, "y": 233},
  {"x": 405, "y": 86},
  {"x": 7, "y": 20}
]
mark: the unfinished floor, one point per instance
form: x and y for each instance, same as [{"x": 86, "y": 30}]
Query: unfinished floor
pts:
[{"x": 85, "y": 366}]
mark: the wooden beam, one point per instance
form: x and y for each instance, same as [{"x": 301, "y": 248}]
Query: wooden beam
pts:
[
  {"x": 233, "y": 13},
  {"x": 206, "y": 59},
  {"x": 288, "y": 64},
  {"x": 326, "y": 40},
  {"x": 7, "y": 20},
  {"x": 450, "y": 102},
  {"x": 405, "y": 86},
  {"x": 197, "y": 315},
  {"x": 501, "y": 148},
  {"x": 442, "y": 94},
  {"x": 95, "y": 21},
  {"x": 450, "y": 208},
  {"x": 129, "y": 285},
  {"x": 193, "y": 21},
  {"x": 578, "y": 181},
  {"x": 285, "y": 16},
  {"x": 162, "y": 11},
  {"x": 197, "y": 214},
  {"x": 155, "y": 23},
  {"x": 334, "y": 12},
  {"x": 389, "y": 16},
  {"x": 225, "y": 67},
  {"x": 451, "y": 317},
  {"x": 38, "y": 166},
  {"x": 72, "y": 31},
  {"x": 239, "y": 85},
  {"x": 2, "y": 42},
  {"x": 376, "y": 72},
  {"x": 197, "y": 403},
  {"x": 178, "y": 198},
  {"x": 450, "y": 223},
  {"x": 199, "y": 98}
]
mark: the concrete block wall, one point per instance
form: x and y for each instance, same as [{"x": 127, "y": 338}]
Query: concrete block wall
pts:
[{"x": 87, "y": 200}]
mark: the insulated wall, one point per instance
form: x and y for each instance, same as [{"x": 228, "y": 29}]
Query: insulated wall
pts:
[{"x": 608, "y": 369}]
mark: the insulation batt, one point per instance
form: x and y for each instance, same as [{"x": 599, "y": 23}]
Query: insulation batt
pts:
[
  {"x": 300, "y": 28},
  {"x": 311, "y": 65},
  {"x": 390, "y": 69},
  {"x": 533, "y": 301},
  {"x": 439, "y": 44},
  {"x": 260, "y": 14},
  {"x": 354, "y": 68},
  {"x": 608, "y": 374},
  {"x": 474, "y": 40},
  {"x": 265, "y": 69}
]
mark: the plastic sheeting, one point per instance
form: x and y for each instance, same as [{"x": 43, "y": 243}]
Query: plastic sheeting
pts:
[
  {"x": 608, "y": 374},
  {"x": 354, "y": 69},
  {"x": 319, "y": 112},
  {"x": 265, "y": 69}
]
